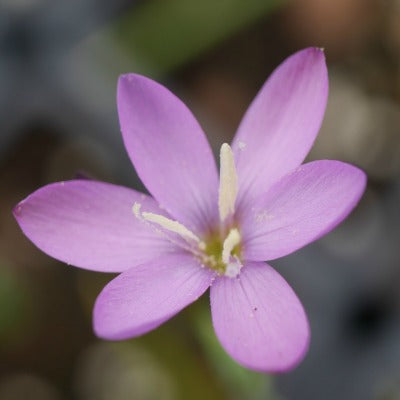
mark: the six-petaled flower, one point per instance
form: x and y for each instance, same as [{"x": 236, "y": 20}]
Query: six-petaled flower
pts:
[{"x": 201, "y": 230}]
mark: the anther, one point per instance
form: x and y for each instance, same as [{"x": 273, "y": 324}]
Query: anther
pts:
[
  {"x": 228, "y": 182},
  {"x": 231, "y": 241},
  {"x": 167, "y": 223}
]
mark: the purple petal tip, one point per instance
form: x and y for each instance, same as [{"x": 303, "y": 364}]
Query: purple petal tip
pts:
[{"x": 17, "y": 210}]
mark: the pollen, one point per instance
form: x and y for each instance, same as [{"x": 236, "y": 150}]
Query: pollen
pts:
[
  {"x": 232, "y": 270},
  {"x": 136, "y": 209},
  {"x": 228, "y": 183}
]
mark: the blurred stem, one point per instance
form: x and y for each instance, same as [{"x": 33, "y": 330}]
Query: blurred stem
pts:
[{"x": 239, "y": 382}]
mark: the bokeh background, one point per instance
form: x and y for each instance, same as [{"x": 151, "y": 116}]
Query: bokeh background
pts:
[{"x": 59, "y": 64}]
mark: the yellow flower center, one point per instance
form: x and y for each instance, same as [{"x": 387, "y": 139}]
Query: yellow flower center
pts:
[{"x": 223, "y": 256}]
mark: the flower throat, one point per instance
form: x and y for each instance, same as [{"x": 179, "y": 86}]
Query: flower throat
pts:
[{"x": 221, "y": 254}]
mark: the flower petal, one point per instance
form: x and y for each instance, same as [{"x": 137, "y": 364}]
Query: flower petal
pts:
[
  {"x": 90, "y": 225},
  {"x": 303, "y": 206},
  {"x": 259, "y": 319},
  {"x": 169, "y": 151},
  {"x": 282, "y": 122},
  {"x": 144, "y": 297}
]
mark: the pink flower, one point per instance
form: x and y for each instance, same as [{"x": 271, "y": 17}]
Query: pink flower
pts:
[{"x": 197, "y": 231}]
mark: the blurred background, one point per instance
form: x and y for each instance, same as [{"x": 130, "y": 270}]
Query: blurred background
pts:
[{"x": 59, "y": 64}]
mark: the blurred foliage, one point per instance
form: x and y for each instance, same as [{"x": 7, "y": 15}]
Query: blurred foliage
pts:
[
  {"x": 13, "y": 304},
  {"x": 240, "y": 383},
  {"x": 173, "y": 345},
  {"x": 162, "y": 35}
]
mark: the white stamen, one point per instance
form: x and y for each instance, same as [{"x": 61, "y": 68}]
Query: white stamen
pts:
[
  {"x": 136, "y": 209},
  {"x": 170, "y": 225},
  {"x": 228, "y": 183},
  {"x": 231, "y": 241},
  {"x": 166, "y": 223}
]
